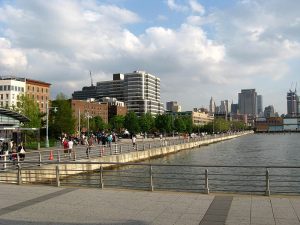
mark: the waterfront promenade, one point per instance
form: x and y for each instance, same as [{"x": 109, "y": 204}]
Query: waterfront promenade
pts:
[{"x": 52, "y": 205}]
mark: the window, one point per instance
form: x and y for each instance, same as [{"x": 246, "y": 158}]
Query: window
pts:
[
  {"x": 1, "y": 88},
  {"x": 13, "y": 96},
  {"x": 7, "y": 96},
  {"x": 5, "y": 87},
  {"x": 42, "y": 97},
  {"x": 8, "y": 87},
  {"x": 22, "y": 89},
  {"x": 16, "y": 88},
  {"x": 32, "y": 88},
  {"x": 37, "y": 89},
  {"x": 19, "y": 88},
  {"x": 42, "y": 90},
  {"x": 12, "y": 87},
  {"x": 1, "y": 96}
]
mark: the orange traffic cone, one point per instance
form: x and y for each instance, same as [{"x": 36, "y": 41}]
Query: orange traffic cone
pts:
[{"x": 51, "y": 155}]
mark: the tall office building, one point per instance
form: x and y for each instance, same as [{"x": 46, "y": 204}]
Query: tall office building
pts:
[
  {"x": 139, "y": 90},
  {"x": 234, "y": 109},
  {"x": 260, "y": 105},
  {"x": 212, "y": 106},
  {"x": 173, "y": 107},
  {"x": 142, "y": 93},
  {"x": 292, "y": 103},
  {"x": 224, "y": 107},
  {"x": 248, "y": 102},
  {"x": 269, "y": 111}
]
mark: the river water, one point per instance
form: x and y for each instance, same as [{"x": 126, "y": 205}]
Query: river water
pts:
[
  {"x": 260, "y": 150},
  {"x": 256, "y": 149}
]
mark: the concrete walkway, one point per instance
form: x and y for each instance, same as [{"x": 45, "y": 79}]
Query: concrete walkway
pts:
[{"x": 51, "y": 205}]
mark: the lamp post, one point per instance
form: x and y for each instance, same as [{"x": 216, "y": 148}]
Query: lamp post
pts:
[
  {"x": 88, "y": 116},
  {"x": 47, "y": 122}
]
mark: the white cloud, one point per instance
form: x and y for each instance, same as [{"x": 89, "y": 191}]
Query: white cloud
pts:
[
  {"x": 176, "y": 7},
  {"x": 11, "y": 58},
  {"x": 196, "y": 7}
]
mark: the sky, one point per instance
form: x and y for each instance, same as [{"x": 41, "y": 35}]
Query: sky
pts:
[{"x": 198, "y": 48}]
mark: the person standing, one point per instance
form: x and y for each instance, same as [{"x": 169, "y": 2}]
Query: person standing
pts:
[
  {"x": 134, "y": 141},
  {"x": 70, "y": 146},
  {"x": 21, "y": 151}
]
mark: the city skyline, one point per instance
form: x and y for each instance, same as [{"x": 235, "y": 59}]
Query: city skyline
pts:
[{"x": 197, "y": 48}]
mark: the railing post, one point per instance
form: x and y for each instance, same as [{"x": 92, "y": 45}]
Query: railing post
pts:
[
  {"x": 19, "y": 174},
  {"x": 57, "y": 176},
  {"x": 136, "y": 146},
  {"x": 18, "y": 159},
  {"x": 101, "y": 177},
  {"x": 267, "y": 193},
  {"x": 143, "y": 147},
  {"x": 149, "y": 145},
  {"x": 206, "y": 190},
  {"x": 120, "y": 149},
  {"x": 110, "y": 150},
  {"x": 40, "y": 159},
  {"x": 151, "y": 179},
  {"x": 116, "y": 149},
  {"x": 75, "y": 156},
  {"x": 58, "y": 156},
  {"x": 4, "y": 163}
]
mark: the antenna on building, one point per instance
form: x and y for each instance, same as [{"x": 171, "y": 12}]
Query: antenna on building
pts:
[
  {"x": 291, "y": 86},
  {"x": 296, "y": 87},
  {"x": 91, "y": 78}
]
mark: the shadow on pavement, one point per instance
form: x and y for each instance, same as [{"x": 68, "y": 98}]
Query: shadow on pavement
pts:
[{"x": 128, "y": 222}]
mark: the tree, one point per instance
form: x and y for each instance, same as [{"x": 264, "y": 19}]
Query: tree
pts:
[
  {"x": 131, "y": 122},
  {"x": 146, "y": 122},
  {"x": 188, "y": 124},
  {"x": 117, "y": 123},
  {"x": 164, "y": 123},
  {"x": 179, "y": 125},
  {"x": 29, "y": 108},
  {"x": 97, "y": 123},
  {"x": 61, "y": 121}
]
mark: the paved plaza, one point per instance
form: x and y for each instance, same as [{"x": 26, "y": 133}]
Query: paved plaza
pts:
[{"x": 52, "y": 205}]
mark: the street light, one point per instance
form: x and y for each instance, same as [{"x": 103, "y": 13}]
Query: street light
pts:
[
  {"x": 88, "y": 116},
  {"x": 47, "y": 122}
]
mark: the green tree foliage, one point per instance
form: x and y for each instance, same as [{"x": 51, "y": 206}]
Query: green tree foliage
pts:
[
  {"x": 117, "y": 123},
  {"x": 131, "y": 122},
  {"x": 146, "y": 122},
  {"x": 164, "y": 123},
  {"x": 179, "y": 124},
  {"x": 29, "y": 108},
  {"x": 97, "y": 123},
  {"x": 61, "y": 121},
  {"x": 188, "y": 124}
]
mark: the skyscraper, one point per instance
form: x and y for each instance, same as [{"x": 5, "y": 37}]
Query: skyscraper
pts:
[
  {"x": 259, "y": 105},
  {"x": 292, "y": 103},
  {"x": 212, "y": 106},
  {"x": 248, "y": 102},
  {"x": 173, "y": 107}
]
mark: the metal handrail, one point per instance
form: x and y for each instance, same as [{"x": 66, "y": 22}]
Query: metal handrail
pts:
[{"x": 59, "y": 174}]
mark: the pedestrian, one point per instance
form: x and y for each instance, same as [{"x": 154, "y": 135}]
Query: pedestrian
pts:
[
  {"x": 133, "y": 141},
  {"x": 66, "y": 146},
  {"x": 21, "y": 151},
  {"x": 89, "y": 144},
  {"x": 70, "y": 146}
]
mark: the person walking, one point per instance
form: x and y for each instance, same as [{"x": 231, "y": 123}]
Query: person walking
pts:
[
  {"x": 70, "y": 146},
  {"x": 89, "y": 144}
]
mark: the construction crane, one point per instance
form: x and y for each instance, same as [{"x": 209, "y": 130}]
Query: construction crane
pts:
[{"x": 91, "y": 78}]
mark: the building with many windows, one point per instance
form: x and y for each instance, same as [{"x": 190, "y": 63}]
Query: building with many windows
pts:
[
  {"x": 248, "y": 102},
  {"x": 39, "y": 91},
  {"x": 139, "y": 90},
  {"x": 10, "y": 90},
  {"x": 12, "y": 87},
  {"x": 173, "y": 106},
  {"x": 292, "y": 103}
]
